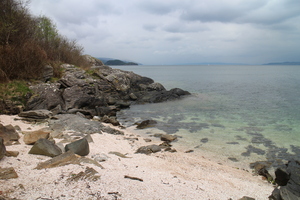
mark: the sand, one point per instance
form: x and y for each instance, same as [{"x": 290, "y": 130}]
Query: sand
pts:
[{"x": 164, "y": 175}]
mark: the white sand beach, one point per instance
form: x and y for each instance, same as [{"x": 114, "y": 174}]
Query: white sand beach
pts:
[{"x": 162, "y": 175}]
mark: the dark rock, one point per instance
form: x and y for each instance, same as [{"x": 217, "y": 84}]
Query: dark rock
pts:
[
  {"x": 2, "y": 148},
  {"x": 282, "y": 176},
  {"x": 165, "y": 145},
  {"x": 61, "y": 160},
  {"x": 89, "y": 174},
  {"x": 9, "y": 107},
  {"x": 47, "y": 73},
  {"x": 80, "y": 147},
  {"x": 46, "y": 96},
  {"x": 45, "y": 147},
  {"x": 9, "y": 134},
  {"x": 112, "y": 131},
  {"x": 110, "y": 120},
  {"x": 260, "y": 168},
  {"x": 149, "y": 149},
  {"x": 233, "y": 159},
  {"x": 204, "y": 140},
  {"x": 36, "y": 114},
  {"x": 246, "y": 198},
  {"x": 163, "y": 95},
  {"x": 8, "y": 173},
  {"x": 146, "y": 124},
  {"x": 169, "y": 149},
  {"x": 30, "y": 137},
  {"x": 291, "y": 190},
  {"x": 189, "y": 151},
  {"x": 168, "y": 138}
]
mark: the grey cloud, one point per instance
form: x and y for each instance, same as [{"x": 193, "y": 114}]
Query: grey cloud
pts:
[
  {"x": 157, "y": 7},
  {"x": 184, "y": 27},
  {"x": 149, "y": 27}
]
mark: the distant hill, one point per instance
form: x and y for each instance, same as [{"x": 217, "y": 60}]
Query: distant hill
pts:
[
  {"x": 283, "y": 63},
  {"x": 112, "y": 61}
]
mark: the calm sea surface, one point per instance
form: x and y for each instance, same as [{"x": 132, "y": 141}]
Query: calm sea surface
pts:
[{"x": 236, "y": 114}]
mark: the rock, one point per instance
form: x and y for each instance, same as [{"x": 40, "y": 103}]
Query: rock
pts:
[
  {"x": 76, "y": 123},
  {"x": 246, "y": 198},
  {"x": 47, "y": 73},
  {"x": 149, "y": 149},
  {"x": 147, "y": 140},
  {"x": 112, "y": 131},
  {"x": 260, "y": 168},
  {"x": 61, "y": 160},
  {"x": 12, "y": 153},
  {"x": 168, "y": 138},
  {"x": 204, "y": 140},
  {"x": 80, "y": 147},
  {"x": 165, "y": 145},
  {"x": 162, "y": 95},
  {"x": 110, "y": 120},
  {"x": 36, "y": 114},
  {"x": 291, "y": 190},
  {"x": 8, "y": 173},
  {"x": 46, "y": 148},
  {"x": 9, "y": 134},
  {"x": 45, "y": 96},
  {"x": 2, "y": 148},
  {"x": 146, "y": 124},
  {"x": 30, "y": 137},
  {"x": 8, "y": 107}
]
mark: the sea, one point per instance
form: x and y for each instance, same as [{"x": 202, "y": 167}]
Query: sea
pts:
[{"x": 237, "y": 114}]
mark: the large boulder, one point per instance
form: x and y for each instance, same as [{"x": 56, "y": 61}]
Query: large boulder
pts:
[
  {"x": 45, "y": 147},
  {"x": 30, "y": 137},
  {"x": 288, "y": 179},
  {"x": 79, "y": 147}
]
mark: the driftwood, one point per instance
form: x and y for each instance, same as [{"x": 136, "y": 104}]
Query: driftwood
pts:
[{"x": 133, "y": 178}]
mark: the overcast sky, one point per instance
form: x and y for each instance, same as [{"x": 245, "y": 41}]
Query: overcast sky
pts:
[{"x": 180, "y": 31}]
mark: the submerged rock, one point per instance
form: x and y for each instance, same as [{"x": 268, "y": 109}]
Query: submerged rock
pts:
[{"x": 146, "y": 124}]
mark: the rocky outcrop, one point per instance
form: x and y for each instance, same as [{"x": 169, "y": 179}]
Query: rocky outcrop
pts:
[
  {"x": 97, "y": 92},
  {"x": 288, "y": 180}
]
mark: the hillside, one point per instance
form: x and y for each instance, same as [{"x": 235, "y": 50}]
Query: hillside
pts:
[{"x": 112, "y": 61}]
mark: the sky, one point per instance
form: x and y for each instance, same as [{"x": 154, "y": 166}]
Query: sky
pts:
[{"x": 166, "y": 32}]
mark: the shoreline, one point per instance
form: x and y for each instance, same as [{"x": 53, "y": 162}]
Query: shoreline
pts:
[{"x": 165, "y": 175}]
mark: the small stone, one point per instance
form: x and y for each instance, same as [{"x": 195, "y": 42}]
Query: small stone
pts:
[
  {"x": 149, "y": 149},
  {"x": 12, "y": 153},
  {"x": 8, "y": 173},
  {"x": 147, "y": 140},
  {"x": 168, "y": 138},
  {"x": 2, "y": 148}
]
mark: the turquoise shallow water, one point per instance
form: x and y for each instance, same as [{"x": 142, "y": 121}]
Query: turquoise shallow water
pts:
[{"x": 236, "y": 113}]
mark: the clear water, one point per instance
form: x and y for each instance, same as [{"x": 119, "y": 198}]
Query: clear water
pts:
[{"x": 238, "y": 114}]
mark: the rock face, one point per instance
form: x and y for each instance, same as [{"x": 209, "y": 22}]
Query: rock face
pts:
[
  {"x": 45, "y": 147},
  {"x": 102, "y": 87},
  {"x": 288, "y": 179}
]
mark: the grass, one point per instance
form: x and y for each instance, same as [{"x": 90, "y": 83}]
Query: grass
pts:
[{"x": 15, "y": 91}]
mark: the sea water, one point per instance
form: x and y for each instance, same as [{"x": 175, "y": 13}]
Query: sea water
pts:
[{"x": 237, "y": 113}]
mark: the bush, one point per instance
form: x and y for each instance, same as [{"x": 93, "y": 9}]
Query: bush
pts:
[{"x": 28, "y": 43}]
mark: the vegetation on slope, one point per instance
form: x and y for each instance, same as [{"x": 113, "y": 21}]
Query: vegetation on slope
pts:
[{"x": 28, "y": 43}]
